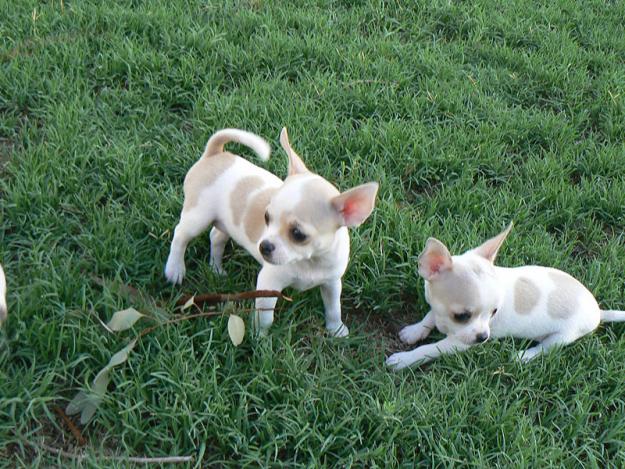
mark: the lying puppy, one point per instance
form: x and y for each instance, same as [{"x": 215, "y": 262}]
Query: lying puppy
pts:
[
  {"x": 296, "y": 228},
  {"x": 471, "y": 300},
  {"x": 3, "y": 300}
]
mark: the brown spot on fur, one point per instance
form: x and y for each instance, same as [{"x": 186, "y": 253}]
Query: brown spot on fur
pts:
[
  {"x": 202, "y": 174},
  {"x": 241, "y": 194},
  {"x": 563, "y": 299},
  {"x": 526, "y": 295},
  {"x": 254, "y": 219}
]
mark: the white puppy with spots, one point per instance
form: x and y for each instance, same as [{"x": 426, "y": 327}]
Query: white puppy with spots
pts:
[
  {"x": 471, "y": 300},
  {"x": 296, "y": 228},
  {"x": 3, "y": 300}
]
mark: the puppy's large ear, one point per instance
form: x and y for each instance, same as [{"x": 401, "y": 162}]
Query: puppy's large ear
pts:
[
  {"x": 296, "y": 165},
  {"x": 490, "y": 248},
  {"x": 355, "y": 205},
  {"x": 435, "y": 259}
]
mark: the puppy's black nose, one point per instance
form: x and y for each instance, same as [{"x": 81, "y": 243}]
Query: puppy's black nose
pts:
[
  {"x": 481, "y": 337},
  {"x": 266, "y": 248}
]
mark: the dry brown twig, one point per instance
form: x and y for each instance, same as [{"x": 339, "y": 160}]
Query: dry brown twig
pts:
[
  {"x": 135, "y": 459},
  {"x": 207, "y": 298},
  {"x": 212, "y": 298},
  {"x": 206, "y": 314},
  {"x": 71, "y": 426}
]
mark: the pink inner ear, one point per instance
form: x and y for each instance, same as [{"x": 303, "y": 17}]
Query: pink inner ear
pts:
[
  {"x": 350, "y": 209},
  {"x": 436, "y": 263},
  {"x": 433, "y": 264}
]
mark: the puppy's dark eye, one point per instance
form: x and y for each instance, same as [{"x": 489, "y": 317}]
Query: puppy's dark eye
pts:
[
  {"x": 267, "y": 218},
  {"x": 494, "y": 312},
  {"x": 297, "y": 235},
  {"x": 462, "y": 317}
]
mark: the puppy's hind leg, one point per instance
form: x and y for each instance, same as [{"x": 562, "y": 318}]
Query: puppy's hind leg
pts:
[
  {"x": 192, "y": 223},
  {"x": 548, "y": 343},
  {"x": 218, "y": 244}
]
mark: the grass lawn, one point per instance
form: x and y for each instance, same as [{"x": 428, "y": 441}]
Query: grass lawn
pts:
[{"x": 469, "y": 114}]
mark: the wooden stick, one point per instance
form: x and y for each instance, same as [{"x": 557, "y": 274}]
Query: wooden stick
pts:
[
  {"x": 137, "y": 459},
  {"x": 71, "y": 425},
  {"x": 212, "y": 298},
  {"x": 206, "y": 314}
]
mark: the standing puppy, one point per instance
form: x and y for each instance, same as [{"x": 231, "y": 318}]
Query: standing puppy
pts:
[
  {"x": 471, "y": 300},
  {"x": 296, "y": 228},
  {"x": 3, "y": 299}
]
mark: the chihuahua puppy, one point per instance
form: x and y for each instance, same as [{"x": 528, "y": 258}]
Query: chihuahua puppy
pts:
[
  {"x": 3, "y": 300},
  {"x": 471, "y": 300},
  {"x": 296, "y": 228}
]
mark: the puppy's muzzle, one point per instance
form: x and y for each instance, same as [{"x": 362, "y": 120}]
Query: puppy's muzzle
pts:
[
  {"x": 266, "y": 248},
  {"x": 481, "y": 337}
]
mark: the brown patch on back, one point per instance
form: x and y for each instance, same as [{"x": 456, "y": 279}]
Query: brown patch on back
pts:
[
  {"x": 563, "y": 299},
  {"x": 254, "y": 219},
  {"x": 202, "y": 174},
  {"x": 526, "y": 295},
  {"x": 241, "y": 194}
]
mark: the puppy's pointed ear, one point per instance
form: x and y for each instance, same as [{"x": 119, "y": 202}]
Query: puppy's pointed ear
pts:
[
  {"x": 355, "y": 205},
  {"x": 435, "y": 259},
  {"x": 490, "y": 248},
  {"x": 296, "y": 165}
]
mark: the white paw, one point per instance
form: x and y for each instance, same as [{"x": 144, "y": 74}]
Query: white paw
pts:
[
  {"x": 175, "y": 270},
  {"x": 399, "y": 360},
  {"x": 413, "y": 334},
  {"x": 526, "y": 355},
  {"x": 260, "y": 327},
  {"x": 339, "y": 330}
]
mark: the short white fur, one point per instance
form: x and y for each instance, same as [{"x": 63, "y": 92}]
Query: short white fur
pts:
[
  {"x": 304, "y": 200},
  {"x": 531, "y": 302}
]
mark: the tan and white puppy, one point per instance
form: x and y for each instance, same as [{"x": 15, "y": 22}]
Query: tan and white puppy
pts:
[
  {"x": 296, "y": 228},
  {"x": 471, "y": 300},
  {"x": 3, "y": 299}
]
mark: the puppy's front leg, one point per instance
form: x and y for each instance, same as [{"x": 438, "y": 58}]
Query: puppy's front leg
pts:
[
  {"x": 425, "y": 353},
  {"x": 268, "y": 279},
  {"x": 419, "y": 331},
  {"x": 331, "y": 295}
]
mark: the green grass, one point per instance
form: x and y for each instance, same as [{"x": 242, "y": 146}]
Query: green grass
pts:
[{"x": 469, "y": 114}]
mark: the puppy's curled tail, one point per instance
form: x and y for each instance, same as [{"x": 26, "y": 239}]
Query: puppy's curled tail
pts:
[
  {"x": 611, "y": 315},
  {"x": 216, "y": 143}
]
